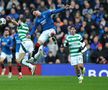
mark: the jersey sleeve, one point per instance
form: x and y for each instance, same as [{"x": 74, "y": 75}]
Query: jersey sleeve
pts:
[
  {"x": 34, "y": 28},
  {"x": 56, "y": 11}
]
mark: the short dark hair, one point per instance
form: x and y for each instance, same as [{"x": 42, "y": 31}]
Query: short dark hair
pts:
[{"x": 72, "y": 27}]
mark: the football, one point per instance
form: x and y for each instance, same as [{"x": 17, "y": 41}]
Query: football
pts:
[{"x": 2, "y": 21}]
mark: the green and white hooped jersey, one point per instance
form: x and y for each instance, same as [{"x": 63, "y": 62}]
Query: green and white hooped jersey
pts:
[
  {"x": 23, "y": 29},
  {"x": 74, "y": 43}
]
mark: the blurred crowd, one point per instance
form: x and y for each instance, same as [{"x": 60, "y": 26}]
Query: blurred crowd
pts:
[{"x": 90, "y": 18}]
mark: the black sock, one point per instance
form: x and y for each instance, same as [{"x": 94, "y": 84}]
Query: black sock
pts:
[
  {"x": 2, "y": 65},
  {"x": 10, "y": 68},
  {"x": 78, "y": 73},
  {"x": 36, "y": 49},
  {"x": 81, "y": 68},
  {"x": 34, "y": 52},
  {"x": 19, "y": 67}
]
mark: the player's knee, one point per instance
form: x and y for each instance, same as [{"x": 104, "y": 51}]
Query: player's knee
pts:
[
  {"x": 17, "y": 61},
  {"x": 1, "y": 60},
  {"x": 10, "y": 63},
  {"x": 37, "y": 45}
]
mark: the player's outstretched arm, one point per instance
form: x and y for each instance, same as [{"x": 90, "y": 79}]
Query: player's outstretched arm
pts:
[
  {"x": 60, "y": 9},
  {"x": 11, "y": 20},
  {"x": 34, "y": 28}
]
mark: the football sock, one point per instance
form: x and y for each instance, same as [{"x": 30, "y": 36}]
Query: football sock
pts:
[
  {"x": 2, "y": 65},
  {"x": 10, "y": 68},
  {"x": 36, "y": 49},
  {"x": 19, "y": 67}
]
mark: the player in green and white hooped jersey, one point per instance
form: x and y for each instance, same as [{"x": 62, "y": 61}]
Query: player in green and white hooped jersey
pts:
[
  {"x": 27, "y": 46},
  {"x": 76, "y": 48}
]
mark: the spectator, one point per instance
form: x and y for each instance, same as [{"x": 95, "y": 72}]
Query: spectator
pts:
[
  {"x": 59, "y": 4},
  {"x": 52, "y": 47},
  {"x": 87, "y": 8},
  {"x": 11, "y": 2},
  {"x": 95, "y": 43},
  {"x": 3, "y": 13},
  {"x": 42, "y": 7},
  {"x": 50, "y": 59},
  {"x": 61, "y": 56},
  {"x": 65, "y": 26},
  {"x": 98, "y": 56},
  {"x": 14, "y": 14},
  {"x": 19, "y": 9},
  {"x": 1, "y": 5}
]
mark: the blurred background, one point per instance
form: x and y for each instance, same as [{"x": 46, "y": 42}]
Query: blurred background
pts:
[{"x": 90, "y": 17}]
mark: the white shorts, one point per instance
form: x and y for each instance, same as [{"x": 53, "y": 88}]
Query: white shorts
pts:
[
  {"x": 46, "y": 34},
  {"x": 17, "y": 55},
  {"x": 28, "y": 45},
  {"x": 6, "y": 56},
  {"x": 76, "y": 60}
]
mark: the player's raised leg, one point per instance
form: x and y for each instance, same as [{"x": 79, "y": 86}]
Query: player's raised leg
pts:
[{"x": 24, "y": 61}]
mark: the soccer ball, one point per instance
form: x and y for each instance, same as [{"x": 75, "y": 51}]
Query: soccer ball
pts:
[{"x": 2, "y": 21}]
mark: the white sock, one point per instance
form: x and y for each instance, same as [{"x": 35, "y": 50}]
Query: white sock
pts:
[
  {"x": 20, "y": 73},
  {"x": 37, "y": 55},
  {"x": 24, "y": 61}
]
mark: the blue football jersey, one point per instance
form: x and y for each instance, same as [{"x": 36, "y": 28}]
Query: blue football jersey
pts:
[
  {"x": 8, "y": 45},
  {"x": 17, "y": 42},
  {"x": 45, "y": 20}
]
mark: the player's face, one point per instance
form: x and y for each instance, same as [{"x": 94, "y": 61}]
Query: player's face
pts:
[
  {"x": 36, "y": 13},
  {"x": 72, "y": 31},
  {"x": 6, "y": 33}
]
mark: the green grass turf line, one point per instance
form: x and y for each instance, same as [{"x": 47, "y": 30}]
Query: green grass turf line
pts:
[{"x": 53, "y": 83}]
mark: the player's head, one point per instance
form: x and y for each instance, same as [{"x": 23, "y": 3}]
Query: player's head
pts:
[
  {"x": 6, "y": 31},
  {"x": 36, "y": 13},
  {"x": 72, "y": 30},
  {"x": 22, "y": 19}
]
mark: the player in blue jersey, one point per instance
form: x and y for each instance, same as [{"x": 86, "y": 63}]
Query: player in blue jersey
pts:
[
  {"x": 48, "y": 29},
  {"x": 17, "y": 44},
  {"x": 6, "y": 52}
]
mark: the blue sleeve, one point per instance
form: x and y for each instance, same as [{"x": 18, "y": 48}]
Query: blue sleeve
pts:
[
  {"x": 34, "y": 28},
  {"x": 57, "y": 11}
]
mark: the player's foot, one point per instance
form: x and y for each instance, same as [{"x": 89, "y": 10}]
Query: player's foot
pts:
[
  {"x": 41, "y": 51},
  {"x": 33, "y": 69},
  {"x": 80, "y": 79},
  {"x": 31, "y": 60},
  {"x": 3, "y": 71},
  {"x": 20, "y": 75},
  {"x": 10, "y": 75}
]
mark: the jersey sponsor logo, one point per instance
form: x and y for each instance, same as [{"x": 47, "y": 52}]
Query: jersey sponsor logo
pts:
[{"x": 43, "y": 22}]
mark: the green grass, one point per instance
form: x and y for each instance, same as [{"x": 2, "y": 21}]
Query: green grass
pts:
[{"x": 53, "y": 83}]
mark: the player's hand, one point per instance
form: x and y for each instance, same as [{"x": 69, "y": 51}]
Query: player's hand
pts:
[
  {"x": 3, "y": 44},
  {"x": 28, "y": 36},
  {"x": 67, "y": 7},
  {"x": 8, "y": 18}
]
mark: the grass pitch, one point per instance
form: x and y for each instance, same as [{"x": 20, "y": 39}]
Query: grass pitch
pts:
[{"x": 53, "y": 83}]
